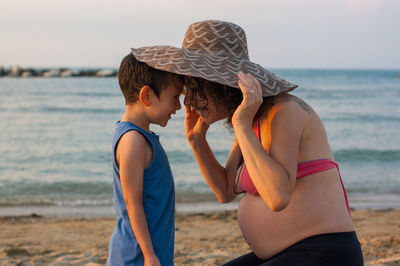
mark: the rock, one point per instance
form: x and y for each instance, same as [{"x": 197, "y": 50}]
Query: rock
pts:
[
  {"x": 14, "y": 252},
  {"x": 105, "y": 73},
  {"x": 52, "y": 73},
  {"x": 66, "y": 73},
  {"x": 15, "y": 71},
  {"x": 26, "y": 74}
]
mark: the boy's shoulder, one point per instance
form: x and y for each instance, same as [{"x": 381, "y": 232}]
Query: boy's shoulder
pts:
[
  {"x": 134, "y": 140},
  {"x": 134, "y": 147}
]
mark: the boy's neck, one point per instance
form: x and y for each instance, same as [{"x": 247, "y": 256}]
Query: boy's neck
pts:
[{"x": 135, "y": 114}]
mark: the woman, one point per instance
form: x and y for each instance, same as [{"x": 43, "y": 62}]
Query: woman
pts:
[{"x": 294, "y": 209}]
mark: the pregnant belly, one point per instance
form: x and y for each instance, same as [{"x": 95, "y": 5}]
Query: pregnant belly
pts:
[
  {"x": 266, "y": 232},
  {"x": 315, "y": 208}
]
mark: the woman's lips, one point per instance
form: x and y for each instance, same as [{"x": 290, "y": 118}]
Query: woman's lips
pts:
[{"x": 200, "y": 112}]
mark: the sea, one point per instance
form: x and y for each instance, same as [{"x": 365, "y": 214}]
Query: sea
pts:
[{"x": 56, "y": 135}]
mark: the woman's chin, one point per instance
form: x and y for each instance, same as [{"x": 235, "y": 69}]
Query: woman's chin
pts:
[
  {"x": 211, "y": 120},
  {"x": 207, "y": 120},
  {"x": 214, "y": 117}
]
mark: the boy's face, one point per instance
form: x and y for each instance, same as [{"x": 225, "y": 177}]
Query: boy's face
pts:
[{"x": 167, "y": 104}]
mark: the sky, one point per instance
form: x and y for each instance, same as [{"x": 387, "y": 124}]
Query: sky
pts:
[{"x": 343, "y": 34}]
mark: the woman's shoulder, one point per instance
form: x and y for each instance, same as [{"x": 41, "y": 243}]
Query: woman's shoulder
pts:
[
  {"x": 289, "y": 104},
  {"x": 287, "y": 99},
  {"x": 286, "y": 109}
]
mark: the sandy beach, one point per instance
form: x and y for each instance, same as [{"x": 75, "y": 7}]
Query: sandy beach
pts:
[{"x": 201, "y": 239}]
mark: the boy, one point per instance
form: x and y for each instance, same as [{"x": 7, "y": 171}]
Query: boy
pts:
[{"x": 144, "y": 194}]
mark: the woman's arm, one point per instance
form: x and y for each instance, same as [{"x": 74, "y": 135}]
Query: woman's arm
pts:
[
  {"x": 132, "y": 164},
  {"x": 271, "y": 166},
  {"x": 219, "y": 178}
]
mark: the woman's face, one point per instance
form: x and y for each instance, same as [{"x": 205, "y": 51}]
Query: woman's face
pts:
[{"x": 206, "y": 108}]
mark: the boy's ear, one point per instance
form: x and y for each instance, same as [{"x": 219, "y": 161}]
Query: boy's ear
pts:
[{"x": 144, "y": 95}]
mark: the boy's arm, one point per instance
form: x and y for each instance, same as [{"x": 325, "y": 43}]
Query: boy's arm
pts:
[{"x": 132, "y": 154}]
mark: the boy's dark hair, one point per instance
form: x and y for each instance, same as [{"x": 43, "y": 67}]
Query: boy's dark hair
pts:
[
  {"x": 226, "y": 98},
  {"x": 133, "y": 75}
]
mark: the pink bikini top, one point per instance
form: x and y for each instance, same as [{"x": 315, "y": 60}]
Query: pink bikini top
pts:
[{"x": 243, "y": 181}]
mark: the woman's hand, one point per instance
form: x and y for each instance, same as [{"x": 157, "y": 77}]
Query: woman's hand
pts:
[
  {"x": 195, "y": 126},
  {"x": 252, "y": 99}
]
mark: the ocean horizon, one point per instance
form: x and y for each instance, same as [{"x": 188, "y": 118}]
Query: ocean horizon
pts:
[{"x": 56, "y": 136}]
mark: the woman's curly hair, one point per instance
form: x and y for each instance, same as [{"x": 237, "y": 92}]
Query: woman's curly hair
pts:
[{"x": 226, "y": 98}]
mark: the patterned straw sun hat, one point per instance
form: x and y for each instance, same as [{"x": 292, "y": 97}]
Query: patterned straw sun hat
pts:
[{"x": 213, "y": 50}]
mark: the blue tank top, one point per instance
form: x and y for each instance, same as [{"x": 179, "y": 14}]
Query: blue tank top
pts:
[{"x": 158, "y": 204}]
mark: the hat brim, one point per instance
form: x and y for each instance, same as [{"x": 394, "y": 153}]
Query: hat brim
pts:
[{"x": 218, "y": 68}]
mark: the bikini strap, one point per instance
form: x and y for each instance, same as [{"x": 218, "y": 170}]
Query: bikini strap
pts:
[
  {"x": 344, "y": 191},
  {"x": 256, "y": 129}
]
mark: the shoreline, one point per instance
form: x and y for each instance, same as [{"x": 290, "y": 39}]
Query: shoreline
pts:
[
  {"x": 376, "y": 202},
  {"x": 106, "y": 211},
  {"x": 39, "y": 240}
]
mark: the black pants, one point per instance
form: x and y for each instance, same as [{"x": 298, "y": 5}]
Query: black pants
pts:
[{"x": 325, "y": 249}]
